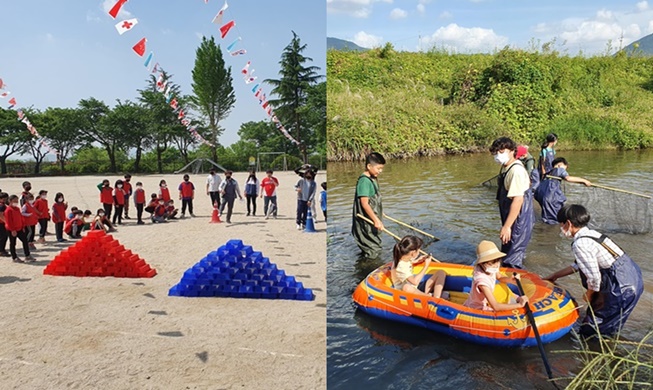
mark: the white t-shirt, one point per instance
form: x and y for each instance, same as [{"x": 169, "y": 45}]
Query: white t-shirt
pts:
[
  {"x": 214, "y": 182},
  {"x": 517, "y": 181}
]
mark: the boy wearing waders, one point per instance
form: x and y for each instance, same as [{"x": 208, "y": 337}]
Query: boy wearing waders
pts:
[
  {"x": 367, "y": 202},
  {"x": 549, "y": 193},
  {"x": 612, "y": 279},
  {"x": 515, "y": 203}
]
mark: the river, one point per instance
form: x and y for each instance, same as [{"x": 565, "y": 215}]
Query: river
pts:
[{"x": 443, "y": 196}]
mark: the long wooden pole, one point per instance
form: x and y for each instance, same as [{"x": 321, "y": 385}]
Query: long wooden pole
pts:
[
  {"x": 608, "y": 188},
  {"x": 396, "y": 237},
  {"x": 411, "y": 227}
]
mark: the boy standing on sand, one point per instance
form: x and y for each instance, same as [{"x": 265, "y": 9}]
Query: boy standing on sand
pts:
[{"x": 367, "y": 202}]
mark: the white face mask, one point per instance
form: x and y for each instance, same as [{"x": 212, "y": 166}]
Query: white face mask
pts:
[
  {"x": 502, "y": 158},
  {"x": 60, "y": 200},
  {"x": 163, "y": 186},
  {"x": 44, "y": 197},
  {"x": 119, "y": 186},
  {"x": 564, "y": 232},
  {"x": 492, "y": 270}
]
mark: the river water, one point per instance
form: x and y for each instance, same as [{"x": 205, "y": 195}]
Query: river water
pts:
[{"x": 443, "y": 196}]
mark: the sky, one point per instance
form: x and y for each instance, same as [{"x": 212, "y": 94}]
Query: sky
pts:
[
  {"x": 483, "y": 26},
  {"x": 55, "y": 53}
]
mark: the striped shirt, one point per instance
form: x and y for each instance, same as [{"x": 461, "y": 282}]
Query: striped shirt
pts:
[{"x": 592, "y": 257}]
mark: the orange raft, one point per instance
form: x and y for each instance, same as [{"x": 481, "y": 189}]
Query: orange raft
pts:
[{"x": 554, "y": 309}]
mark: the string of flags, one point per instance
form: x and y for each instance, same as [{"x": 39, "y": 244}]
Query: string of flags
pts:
[
  {"x": 4, "y": 93},
  {"x": 162, "y": 84},
  {"x": 246, "y": 73}
]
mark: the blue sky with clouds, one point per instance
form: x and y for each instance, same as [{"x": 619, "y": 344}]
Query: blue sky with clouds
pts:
[
  {"x": 470, "y": 26},
  {"x": 54, "y": 53}
]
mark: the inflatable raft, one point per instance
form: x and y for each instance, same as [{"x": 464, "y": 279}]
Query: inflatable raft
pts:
[{"x": 554, "y": 310}]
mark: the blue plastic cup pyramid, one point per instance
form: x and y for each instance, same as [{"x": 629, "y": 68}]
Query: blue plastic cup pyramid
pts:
[{"x": 236, "y": 270}]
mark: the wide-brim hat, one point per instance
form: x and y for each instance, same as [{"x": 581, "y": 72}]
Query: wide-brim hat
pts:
[{"x": 487, "y": 251}]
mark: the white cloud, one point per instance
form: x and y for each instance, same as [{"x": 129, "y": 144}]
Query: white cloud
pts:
[
  {"x": 445, "y": 15},
  {"x": 596, "y": 31},
  {"x": 398, "y": 13},
  {"x": 642, "y": 6},
  {"x": 353, "y": 8},
  {"x": 463, "y": 39},
  {"x": 49, "y": 38},
  {"x": 649, "y": 28},
  {"x": 605, "y": 15},
  {"x": 108, "y": 4},
  {"x": 367, "y": 40},
  {"x": 421, "y": 8}
]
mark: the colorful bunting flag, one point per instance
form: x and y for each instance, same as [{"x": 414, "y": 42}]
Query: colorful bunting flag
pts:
[
  {"x": 20, "y": 113},
  {"x": 155, "y": 68},
  {"x": 181, "y": 114},
  {"x": 5, "y": 94},
  {"x": 139, "y": 48},
  {"x": 116, "y": 8},
  {"x": 12, "y": 103},
  {"x": 255, "y": 88},
  {"x": 239, "y": 52},
  {"x": 126, "y": 25},
  {"x": 2, "y": 84},
  {"x": 148, "y": 60},
  {"x": 224, "y": 30},
  {"x": 232, "y": 44},
  {"x": 218, "y": 18},
  {"x": 173, "y": 104},
  {"x": 245, "y": 69}
]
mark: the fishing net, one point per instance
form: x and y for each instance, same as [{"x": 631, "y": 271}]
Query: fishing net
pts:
[{"x": 612, "y": 211}]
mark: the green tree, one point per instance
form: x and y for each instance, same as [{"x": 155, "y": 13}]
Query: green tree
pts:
[
  {"x": 315, "y": 113},
  {"x": 13, "y": 137},
  {"x": 264, "y": 136},
  {"x": 35, "y": 146},
  {"x": 128, "y": 120},
  {"x": 213, "y": 91},
  {"x": 162, "y": 122},
  {"x": 292, "y": 90},
  {"x": 61, "y": 128},
  {"x": 95, "y": 129}
]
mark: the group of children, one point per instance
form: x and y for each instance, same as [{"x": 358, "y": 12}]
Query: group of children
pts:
[{"x": 612, "y": 279}]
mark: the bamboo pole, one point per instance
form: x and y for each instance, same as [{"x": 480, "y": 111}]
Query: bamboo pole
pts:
[
  {"x": 608, "y": 188},
  {"x": 396, "y": 237},
  {"x": 411, "y": 227}
]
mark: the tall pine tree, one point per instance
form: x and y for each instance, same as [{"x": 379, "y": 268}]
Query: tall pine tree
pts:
[
  {"x": 213, "y": 92},
  {"x": 292, "y": 90}
]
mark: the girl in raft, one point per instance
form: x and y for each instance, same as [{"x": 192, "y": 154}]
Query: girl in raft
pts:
[
  {"x": 405, "y": 254},
  {"x": 612, "y": 279},
  {"x": 549, "y": 193},
  {"x": 486, "y": 273}
]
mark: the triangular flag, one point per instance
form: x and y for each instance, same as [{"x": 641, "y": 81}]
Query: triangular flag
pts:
[
  {"x": 155, "y": 68},
  {"x": 255, "y": 88},
  {"x": 116, "y": 8},
  {"x": 12, "y": 102},
  {"x": 126, "y": 25},
  {"x": 250, "y": 80},
  {"x": 218, "y": 18},
  {"x": 224, "y": 30},
  {"x": 239, "y": 52},
  {"x": 265, "y": 104},
  {"x": 181, "y": 114},
  {"x": 2, "y": 84},
  {"x": 245, "y": 69},
  {"x": 5, "y": 94},
  {"x": 139, "y": 48},
  {"x": 148, "y": 60},
  {"x": 232, "y": 44},
  {"x": 173, "y": 103}
]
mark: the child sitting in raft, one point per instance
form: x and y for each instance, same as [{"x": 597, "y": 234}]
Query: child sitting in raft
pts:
[
  {"x": 405, "y": 254},
  {"x": 486, "y": 273}
]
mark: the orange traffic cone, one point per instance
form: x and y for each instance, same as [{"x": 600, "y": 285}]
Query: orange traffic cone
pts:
[{"x": 215, "y": 217}]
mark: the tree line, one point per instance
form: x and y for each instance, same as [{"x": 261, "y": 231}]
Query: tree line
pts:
[{"x": 146, "y": 135}]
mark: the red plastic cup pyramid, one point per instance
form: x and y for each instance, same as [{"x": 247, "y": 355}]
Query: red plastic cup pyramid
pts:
[{"x": 99, "y": 254}]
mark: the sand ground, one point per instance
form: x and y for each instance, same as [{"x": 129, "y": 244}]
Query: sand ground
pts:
[{"x": 118, "y": 333}]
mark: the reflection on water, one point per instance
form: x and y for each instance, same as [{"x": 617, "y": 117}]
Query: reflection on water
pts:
[{"x": 443, "y": 196}]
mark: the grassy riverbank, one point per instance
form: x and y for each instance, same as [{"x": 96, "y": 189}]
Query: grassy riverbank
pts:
[{"x": 407, "y": 104}]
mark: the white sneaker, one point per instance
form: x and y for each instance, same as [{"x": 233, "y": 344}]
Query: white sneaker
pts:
[
  {"x": 299, "y": 227},
  {"x": 182, "y": 215}
]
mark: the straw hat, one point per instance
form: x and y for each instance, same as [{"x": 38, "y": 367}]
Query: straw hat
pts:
[{"x": 487, "y": 251}]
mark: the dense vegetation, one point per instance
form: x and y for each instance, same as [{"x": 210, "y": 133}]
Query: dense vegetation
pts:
[{"x": 410, "y": 104}]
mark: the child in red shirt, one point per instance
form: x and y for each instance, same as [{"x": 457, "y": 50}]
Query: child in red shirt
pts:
[
  {"x": 59, "y": 216},
  {"x": 154, "y": 201},
  {"x": 41, "y": 205},
  {"x": 106, "y": 197},
  {"x": 119, "y": 197},
  {"x": 15, "y": 229},
  {"x": 164, "y": 192},
  {"x": 160, "y": 212},
  {"x": 4, "y": 200},
  {"x": 139, "y": 201},
  {"x": 74, "y": 225},
  {"x": 128, "y": 192},
  {"x": 269, "y": 194},
  {"x": 101, "y": 222},
  {"x": 186, "y": 195},
  {"x": 30, "y": 219}
]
